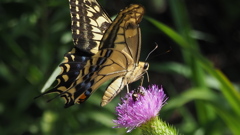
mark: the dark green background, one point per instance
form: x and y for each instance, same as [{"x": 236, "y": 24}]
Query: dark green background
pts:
[{"x": 35, "y": 34}]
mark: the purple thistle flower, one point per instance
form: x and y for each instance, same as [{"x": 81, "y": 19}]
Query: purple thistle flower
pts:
[{"x": 133, "y": 113}]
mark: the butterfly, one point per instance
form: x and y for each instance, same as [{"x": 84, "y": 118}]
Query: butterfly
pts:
[{"x": 103, "y": 50}]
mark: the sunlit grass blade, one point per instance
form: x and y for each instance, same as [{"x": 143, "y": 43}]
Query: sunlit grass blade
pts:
[{"x": 51, "y": 79}]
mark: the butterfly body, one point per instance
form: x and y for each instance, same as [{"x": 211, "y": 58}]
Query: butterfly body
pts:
[{"x": 103, "y": 50}]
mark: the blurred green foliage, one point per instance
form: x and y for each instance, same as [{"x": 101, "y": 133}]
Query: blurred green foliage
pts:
[{"x": 200, "y": 73}]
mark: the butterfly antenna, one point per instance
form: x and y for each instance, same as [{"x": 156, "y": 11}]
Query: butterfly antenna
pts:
[
  {"x": 152, "y": 51},
  {"x": 170, "y": 48}
]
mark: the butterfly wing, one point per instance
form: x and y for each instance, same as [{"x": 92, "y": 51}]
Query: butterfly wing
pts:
[
  {"x": 89, "y": 22},
  {"x": 96, "y": 58},
  {"x": 129, "y": 42},
  {"x": 115, "y": 56}
]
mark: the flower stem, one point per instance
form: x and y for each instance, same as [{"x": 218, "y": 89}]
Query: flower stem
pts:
[{"x": 156, "y": 126}]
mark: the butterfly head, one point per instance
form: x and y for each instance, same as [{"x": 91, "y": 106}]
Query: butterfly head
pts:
[{"x": 145, "y": 66}]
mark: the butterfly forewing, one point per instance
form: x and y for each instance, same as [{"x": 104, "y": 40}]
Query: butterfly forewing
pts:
[
  {"x": 124, "y": 35},
  {"x": 89, "y": 22}
]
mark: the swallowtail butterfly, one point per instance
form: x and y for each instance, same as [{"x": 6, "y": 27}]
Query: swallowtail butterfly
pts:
[{"x": 103, "y": 50}]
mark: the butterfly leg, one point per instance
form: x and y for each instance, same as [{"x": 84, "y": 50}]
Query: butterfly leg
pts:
[
  {"x": 139, "y": 90},
  {"x": 142, "y": 78},
  {"x": 127, "y": 88}
]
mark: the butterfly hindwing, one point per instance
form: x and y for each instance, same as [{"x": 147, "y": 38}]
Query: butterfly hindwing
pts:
[{"x": 88, "y": 24}]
